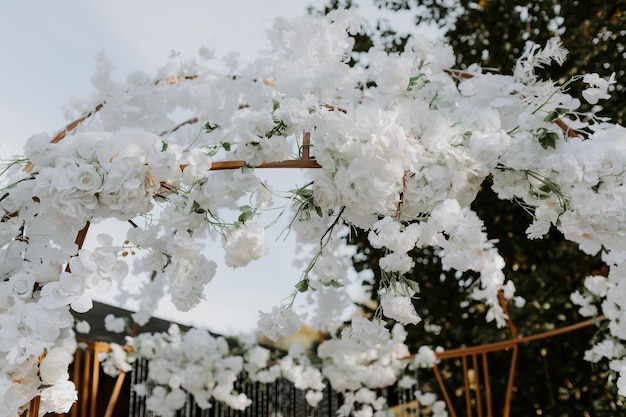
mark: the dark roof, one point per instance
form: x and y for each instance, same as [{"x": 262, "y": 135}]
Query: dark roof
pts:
[{"x": 95, "y": 318}]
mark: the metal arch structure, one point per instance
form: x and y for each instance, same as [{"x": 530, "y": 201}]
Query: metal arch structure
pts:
[{"x": 474, "y": 359}]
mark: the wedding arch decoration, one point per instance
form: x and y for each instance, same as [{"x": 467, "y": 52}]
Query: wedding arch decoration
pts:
[{"x": 401, "y": 143}]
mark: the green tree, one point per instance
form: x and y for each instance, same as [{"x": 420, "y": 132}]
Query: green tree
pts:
[
  {"x": 552, "y": 379},
  {"x": 493, "y": 33}
]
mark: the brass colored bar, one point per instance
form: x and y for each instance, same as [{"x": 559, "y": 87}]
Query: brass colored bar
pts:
[
  {"x": 503, "y": 303},
  {"x": 487, "y": 385},
  {"x": 509, "y": 389},
  {"x": 507, "y": 344},
  {"x": 479, "y": 403},
  {"x": 98, "y": 347},
  {"x": 86, "y": 382},
  {"x": 468, "y": 400},
  {"x": 565, "y": 128},
  {"x": 115, "y": 394},
  {"x": 306, "y": 145},
  {"x": 33, "y": 408},
  {"x": 296, "y": 163},
  {"x": 446, "y": 396},
  {"x": 78, "y": 356},
  {"x": 82, "y": 235}
]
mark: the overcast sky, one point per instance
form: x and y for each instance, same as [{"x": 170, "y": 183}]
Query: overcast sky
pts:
[{"x": 47, "y": 51}]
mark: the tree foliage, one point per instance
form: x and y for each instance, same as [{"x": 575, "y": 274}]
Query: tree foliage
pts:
[{"x": 493, "y": 33}]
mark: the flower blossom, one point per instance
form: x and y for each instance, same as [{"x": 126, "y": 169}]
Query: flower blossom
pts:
[
  {"x": 598, "y": 87},
  {"x": 400, "y": 308},
  {"x": 365, "y": 334},
  {"x": 245, "y": 244},
  {"x": 114, "y": 324},
  {"x": 281, "y": 321}
]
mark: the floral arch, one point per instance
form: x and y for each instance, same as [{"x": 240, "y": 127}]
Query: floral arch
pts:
[{"x": 401, "y": 143}]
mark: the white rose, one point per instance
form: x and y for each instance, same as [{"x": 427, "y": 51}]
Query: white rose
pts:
[
  {"x": 325, "y": 193},
  {"x": 87, "y": 179},
  {"x": 22, "y": 285}
]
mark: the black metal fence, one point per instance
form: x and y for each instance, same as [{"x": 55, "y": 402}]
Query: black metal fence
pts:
[{"x": 278, "y": 399}]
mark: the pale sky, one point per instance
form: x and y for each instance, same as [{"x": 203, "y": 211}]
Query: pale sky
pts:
[{"x": 47, "y": 51}]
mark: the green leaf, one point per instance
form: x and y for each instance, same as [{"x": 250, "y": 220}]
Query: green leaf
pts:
[
  {"x": 304, "y": 192},
  {"x": 226, "y": 146},
  {"x": 552, "y": 116},
  {"x": 275, "y": 105},
  {"x": 164, "y": 146},
  {"x": 336, "y": 284},
  {"x": 413, "y": 81},
  {"x": 555, "y": 114},
  {"x": 208, "y": 127},
  {"x": 247, "y": 213},
  {"x": 547, "y": 139},
  {"x": 413, "y": 285},
  {"x": 302, "y": 285},
  {"x": 277, "y": 130},
  {"x": 195, "y": 207}
]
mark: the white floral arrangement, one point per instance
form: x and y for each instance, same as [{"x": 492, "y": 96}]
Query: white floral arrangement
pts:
[{"x": 403, "y": 145}]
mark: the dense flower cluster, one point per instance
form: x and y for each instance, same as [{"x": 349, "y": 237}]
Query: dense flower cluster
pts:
[
  {"x": 403, "y": 143},
  {"x": 203, "y": 365}
]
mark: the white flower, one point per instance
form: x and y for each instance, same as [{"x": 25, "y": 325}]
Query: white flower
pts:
[
  {"x": 244, "y": 245},
  {"x": 281, "y": 321},
  {"x": 140, "y": 389},
  {"x": 425, "y": 399},
  {"x": 22, "y": 285},
  {"x": 58, "y": 398},
  {"x": 53, "y": 367},
  {"x": 425, "y": 357},
  {"x": 597, "y": 285},
  {"x": 313, "y": 397},
  {"x": 114, "y": 324},
  {"x": 365, "y": 334},
  {"x": 70, "y": 289},
  {"x": 605, "y": 349},
  {"x": 176, "y": 399},
  {"x": 365, "y": 395},
  {"x": 87, "y": 179},
  {"x": 325, "y": 193},
  {"x": 390, "y": 233},
  {"x": 115, "y": 361},
  {"x": 598, "y": 89},
  {"x": 406, "y": 382},
  {"x": 257, "y": 359},
  {"x": 439, "y": 409},
  {"x": 83, "y": 326},
  {"x": 621, "y": 384},
  {"x": 396, "y": 262},
  {"x": 399, "y": 308}
]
